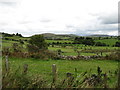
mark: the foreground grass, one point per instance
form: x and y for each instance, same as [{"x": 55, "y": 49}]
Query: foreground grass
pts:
[{"x": 43, "y": 67}]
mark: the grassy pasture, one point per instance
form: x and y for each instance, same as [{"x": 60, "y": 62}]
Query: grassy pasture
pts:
[
  {"x": 17, "y": 38},
  {"x": 43, "y": 67},
  {"x": 62, "y": 41},
  {"x": 69, "y": 50},
  {"x": 8, "y": 43},
  {"x": 108, "y": 41}
]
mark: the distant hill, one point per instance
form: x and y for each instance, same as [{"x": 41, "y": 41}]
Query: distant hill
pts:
[
  {"x": 48, "y": 34},
  {"x": 59, "y": 36},
  {"x": 99, "y": 35}
]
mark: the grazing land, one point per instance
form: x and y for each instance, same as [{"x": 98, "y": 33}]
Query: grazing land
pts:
[
  {"x": 44, "y": 67},
  {"x": 96, "y": 57}
]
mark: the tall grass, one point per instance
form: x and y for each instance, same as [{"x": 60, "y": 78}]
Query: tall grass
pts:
[{"x": 76, "y": 78}]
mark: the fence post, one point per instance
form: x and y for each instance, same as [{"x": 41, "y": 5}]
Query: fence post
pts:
[
  {"x": 70, "y": 79},
  {"x": 105, "y": 80},
  {"x": 25, "y": 68},
  {"x": 101, "y": 53},
  {"x": 118, "y": 83},
  {"x": 54, "y": 71},
  {"x": 6, "y": 64}
]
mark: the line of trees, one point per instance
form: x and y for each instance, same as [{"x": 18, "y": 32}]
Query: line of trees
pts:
[
  {"x": 84, "y": 40},
  {"x": 11, "y": 35},
  {"x": 117, "y": 44},
  {"x": 81, "y": 40}
]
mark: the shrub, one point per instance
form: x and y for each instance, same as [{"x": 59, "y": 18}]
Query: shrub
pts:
[
  {"x": 17, "y": 79},
  {"x": 16, "y": 47},
  {"x": 38, "y": 41},
  {"x": 32, "y": 48},
  {"x": 59, "y": 51},
  {"x": 117, "y": 44},
  {"x": 100, "y": 44},
  {"x": 6, "y": 51},
  {"x": 44, "y": 54},
  {"x": 21, "y": 41},
  {"x": 113, "y": 56}
]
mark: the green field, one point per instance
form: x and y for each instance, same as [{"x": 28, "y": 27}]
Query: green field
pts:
[
  {"x": 108, "y": 41},
  {"x": 18, "y": 38},
  {"x": 62, "y": 41},
  {"x": 69, "y": 50},
  {"x": 44, "y": 69},
  {"x": 7, "y": 43}
]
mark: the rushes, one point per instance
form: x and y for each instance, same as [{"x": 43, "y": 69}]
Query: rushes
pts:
[{"x": 20, "y": 79}]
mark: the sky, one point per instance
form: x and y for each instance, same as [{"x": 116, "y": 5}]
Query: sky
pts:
[{"x": 81, "y": 17}]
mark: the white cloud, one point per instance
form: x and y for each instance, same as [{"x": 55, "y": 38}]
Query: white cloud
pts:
[{"x": 58, "y": 16}]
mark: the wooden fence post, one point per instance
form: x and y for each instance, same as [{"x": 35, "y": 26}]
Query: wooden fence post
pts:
[
  {"x": 105, "y": 81},
  {"x": 6, "y": 64},
  {"x": 118, "y": 83},
  {"x": 54, "y": 71},
  {"x": 70, "y": 79},
  {"x": 101, "y": 53},
  {"x": 25, "y": 68}
]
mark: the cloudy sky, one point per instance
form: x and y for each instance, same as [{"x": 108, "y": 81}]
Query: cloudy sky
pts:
[{"x": 82, "y": 17}]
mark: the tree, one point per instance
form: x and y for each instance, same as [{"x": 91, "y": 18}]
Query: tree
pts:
[
  {"x": 88, "y": 42},
  {"x": 59, "y": 51},
  {"x": 17, "y": 34},
  {"x": 38, "y": 42},
  {"x": 16, "y": 47},
  {"x": 117, "y": 44},
  {"x": 100, "y": 44},
  {"x": 21, "y": 41}
]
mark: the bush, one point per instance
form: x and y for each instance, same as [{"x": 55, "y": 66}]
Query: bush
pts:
[
  {"x": 113, "y": 56},
  {"x": 17, "y": 79},
  {"x": 44, "y": 54},
  {"x": 82, "y": 40},
  {"x": 100, "y": 44},
  {"x": 38, "y": 41},
  {"x": 6, "y": 51},
  {"x": 32, "y": 48},
  {"x": 21, "y": 41},
  {"x": 16, "y": 47},
  {"x": 117, "y": 44}
]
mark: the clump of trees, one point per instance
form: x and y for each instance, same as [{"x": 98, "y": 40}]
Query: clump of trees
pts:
[
  {"x": 38, "y": 48},
  {"x": 20, "y": 35},
  {"x": 11, "y": 35},
  {"x": 16, "y": 47},
  {"x": 117, "y": 44},
  {"x": 88, "y": 41},
  {"x": 37, "y": 43},
  {"x": 84, "y": 40},
  {"x": 100, "y": 44}
]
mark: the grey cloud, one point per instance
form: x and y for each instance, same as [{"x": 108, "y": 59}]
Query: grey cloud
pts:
[
  {"x": 88, "y": 32},
  {"x": 45, "y": 20},
  {"x": 97, "y": 29},
  {"x": 70, "y": 26},
  {"x": 8, "y": 2},
  {"x": 24, "y": 22},
  {"x": 3, "y": 24},
  {"x": 105, "y": 28},
  {"x": 109, "y": 19}
]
